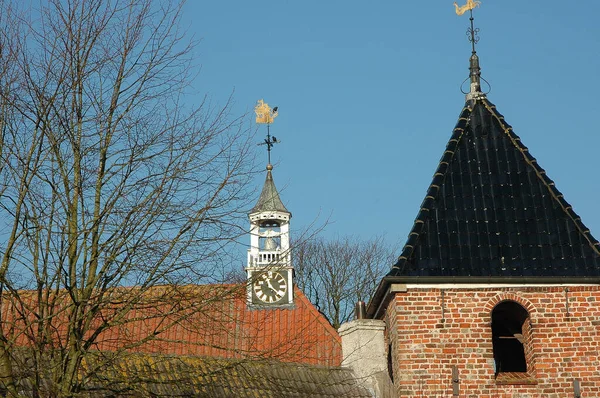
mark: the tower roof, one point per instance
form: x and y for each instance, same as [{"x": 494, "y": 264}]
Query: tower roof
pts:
[
  {"x": 269, "y": 197},
  {"x": 491, "y": 211},
  {"x": 492, "y": 215}
]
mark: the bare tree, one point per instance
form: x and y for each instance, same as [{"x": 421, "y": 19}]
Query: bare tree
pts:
[
  {"x": 108, "y": 177},
  {"x": 337, "y": 273}
]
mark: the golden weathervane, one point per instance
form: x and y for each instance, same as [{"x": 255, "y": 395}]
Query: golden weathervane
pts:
[
  {"x": 264, "y": 114},
  {"x": 471, "y": 4}
]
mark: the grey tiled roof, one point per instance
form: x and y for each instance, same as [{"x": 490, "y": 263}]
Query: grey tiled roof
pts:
[
  {"x": 491, "y": 211},
  {"x": 269, "y": 197},
  {"x": 140, "y": 375}
]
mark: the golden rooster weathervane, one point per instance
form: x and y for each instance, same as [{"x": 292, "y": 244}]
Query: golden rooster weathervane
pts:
[
  {"x": 471, "y": 4},
  {"x": 266, "y": 115},
  {"x": 472, "y": 32}
]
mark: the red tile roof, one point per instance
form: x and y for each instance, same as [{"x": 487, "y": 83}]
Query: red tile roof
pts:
[{"x": 203, "y": 320}]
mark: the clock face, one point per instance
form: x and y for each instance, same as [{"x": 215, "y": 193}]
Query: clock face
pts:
[{"x": 270, "y": 287}]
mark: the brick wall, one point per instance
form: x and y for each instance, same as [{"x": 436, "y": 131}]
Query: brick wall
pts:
[{"x": 430, "y": 330}]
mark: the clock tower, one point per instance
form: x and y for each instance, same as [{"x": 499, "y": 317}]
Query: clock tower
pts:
[{"x": 269, "y": 268}]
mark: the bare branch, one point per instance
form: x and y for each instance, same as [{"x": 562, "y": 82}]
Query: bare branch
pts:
[
  {"x": 337, "y": 273},
  {"x": 108, "y": 177}
]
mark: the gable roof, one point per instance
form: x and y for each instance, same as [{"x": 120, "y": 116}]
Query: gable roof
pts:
[
  {"x": 269, "y": 199},
  {"x": 143, "y": 375},
  {"x": 194, "y": 320},
  {"x": 491, "y": 211},
  {"x": 229, "y": 328},
  {"x": 492, "y": 214}
]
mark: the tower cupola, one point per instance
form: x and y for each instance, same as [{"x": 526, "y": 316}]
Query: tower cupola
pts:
[
  {"x": 269, "y": 267},
  {"x": 269, "y": 226}
]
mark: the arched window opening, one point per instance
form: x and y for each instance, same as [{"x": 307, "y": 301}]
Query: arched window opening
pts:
[
  {"x": 270, "y": 235},
  {"x": 508, "y": 318},
  {"x": 390, "y": 362}
]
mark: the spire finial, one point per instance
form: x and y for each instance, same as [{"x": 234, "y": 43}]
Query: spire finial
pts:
[
  {"x": 474, "y": 69},
  {"x": 473, "y": 35},
  {"x": 266, "y": 115}
]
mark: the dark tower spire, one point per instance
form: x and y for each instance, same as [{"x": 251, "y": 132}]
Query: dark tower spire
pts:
[{"x": 491, "y": 214}]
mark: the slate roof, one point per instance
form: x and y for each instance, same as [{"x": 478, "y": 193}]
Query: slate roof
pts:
[
  {"x": 492, "y": 212},
  {"x": 143, "y": 375},
  {"x": 269, "y": 199}
]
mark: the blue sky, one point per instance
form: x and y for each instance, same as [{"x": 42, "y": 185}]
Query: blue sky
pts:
[{"x": 369, "y": 92}]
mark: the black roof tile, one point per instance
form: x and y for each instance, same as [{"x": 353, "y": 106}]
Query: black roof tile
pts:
[{"x": 491, "y": 211}]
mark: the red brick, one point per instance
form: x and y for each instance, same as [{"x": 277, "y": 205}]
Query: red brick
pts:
[{"x": 560, "y": 347}]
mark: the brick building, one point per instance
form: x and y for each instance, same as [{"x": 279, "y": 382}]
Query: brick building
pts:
[
  {"x": 494, "y": 295},
  {"x": 496, "y": 291}
]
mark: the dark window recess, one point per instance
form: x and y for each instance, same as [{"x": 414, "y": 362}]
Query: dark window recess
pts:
[
  {"x": 390, "y": 362},
  {"x": 508, "y": 318}
]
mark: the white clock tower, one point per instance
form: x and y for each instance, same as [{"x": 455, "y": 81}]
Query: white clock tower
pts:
[{"x": 269, "y": 270}]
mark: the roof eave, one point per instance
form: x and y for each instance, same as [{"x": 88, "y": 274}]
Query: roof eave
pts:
[
  {"x": 383, "y": 295},
  {"x": 264, "y": 214}
]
